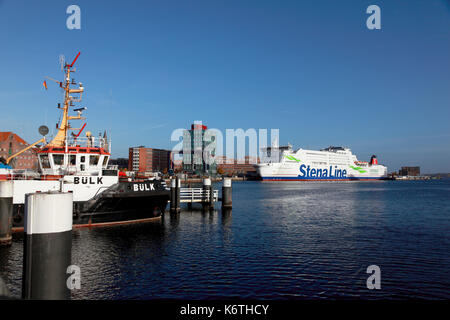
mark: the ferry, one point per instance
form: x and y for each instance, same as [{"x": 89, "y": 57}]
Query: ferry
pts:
[
  {"x": 71, "y": 163},
  {"x": 329, "y": 164}
]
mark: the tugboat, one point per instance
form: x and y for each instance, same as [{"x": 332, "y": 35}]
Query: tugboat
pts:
[{"x": 71, "y": 163}]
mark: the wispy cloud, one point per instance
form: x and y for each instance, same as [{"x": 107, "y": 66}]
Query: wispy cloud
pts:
[
  {"x": 107, "y": 100},
  {"x": 155, "y": 126},
  {"x": 17, "y": 93}
]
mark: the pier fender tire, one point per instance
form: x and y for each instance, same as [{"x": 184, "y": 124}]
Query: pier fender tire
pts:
[
  {"x": 157, "y": 211},
  {"x": 18, "y": 217}
]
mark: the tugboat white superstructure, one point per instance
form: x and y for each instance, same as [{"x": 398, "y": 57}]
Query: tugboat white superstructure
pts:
[
  {"x": 71, "y": 163},
  {"x": 330, "y": 164}
]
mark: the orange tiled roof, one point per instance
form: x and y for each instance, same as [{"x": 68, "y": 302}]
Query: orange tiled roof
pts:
[{"x": 5, "y": 135}]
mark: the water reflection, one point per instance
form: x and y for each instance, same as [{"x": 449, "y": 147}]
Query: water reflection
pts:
[{"x": 280, "y": 241}]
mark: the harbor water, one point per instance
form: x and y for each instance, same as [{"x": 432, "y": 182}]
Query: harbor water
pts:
[{"x": 282, "y": 240}]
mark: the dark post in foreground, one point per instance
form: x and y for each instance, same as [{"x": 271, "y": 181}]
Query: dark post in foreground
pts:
[
  {"x": 6, "y": 212},
  {"x": 208, "y": 201},
  {"x": 173, "y": 195},
  {"x": 47, "y": 245},
  {"x": 175, "y": 186},
  {"x": 178, "y": 194},
  {"x": 227, "y": 201}
]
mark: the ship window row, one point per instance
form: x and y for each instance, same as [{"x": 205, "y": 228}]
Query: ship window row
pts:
[
  {"x": 320, "y": 156},
  {"x": 58, "y": 160},
  {"x": 339, "y": 159},
  {"x": 309, "y": 159},
  {"x": 339, "y": 156},
  {"x": 339, "y": 163},
  {"x": 315, "y": 153},
  {"x": 319, "y": 163}
]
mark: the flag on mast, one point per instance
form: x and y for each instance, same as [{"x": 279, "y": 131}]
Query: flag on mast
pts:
[{"x": 45, "y": 85}]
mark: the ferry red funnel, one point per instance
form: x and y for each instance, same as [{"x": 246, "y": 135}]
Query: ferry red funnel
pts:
[{"x": 373, "y": 160}]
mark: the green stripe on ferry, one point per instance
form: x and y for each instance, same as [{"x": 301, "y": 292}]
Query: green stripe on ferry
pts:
[
  {"x": 292, "y": 158},
  {"x": 359, "y": 169}
]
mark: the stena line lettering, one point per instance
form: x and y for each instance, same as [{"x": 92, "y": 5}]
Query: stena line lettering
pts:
[
  {"x": 143, "y": 187},
  {"x": 88, "y": 180},
  {"x": 331, "y": 173}
]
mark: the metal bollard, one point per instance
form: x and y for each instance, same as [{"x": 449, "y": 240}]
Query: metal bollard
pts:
[
  {"x": 6, "y": 212},
  {"x": 47, "y": 246},
  {"x": 227, "y": 201}
]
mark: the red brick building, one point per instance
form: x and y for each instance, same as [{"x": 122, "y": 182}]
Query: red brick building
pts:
[
  {"x": 11, "y": 143},
  {"x": 142, "y": 159},
  {"x": 236, "y": 167},
  {"x": 178, "y": 165}
]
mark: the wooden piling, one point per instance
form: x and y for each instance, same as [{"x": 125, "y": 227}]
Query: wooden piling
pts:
[
  {"x": 207, "y": 191},
  {"x": 227, "y": 201},
  {"x": 173, "y": 195},
  {"x": 178, "y": 188},
  {"x": 6, "y": 212}
]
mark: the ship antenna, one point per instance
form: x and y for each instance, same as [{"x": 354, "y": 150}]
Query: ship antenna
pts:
[
  {"x": 61, "y": 137},
  {"x": 62, "y": 61}
]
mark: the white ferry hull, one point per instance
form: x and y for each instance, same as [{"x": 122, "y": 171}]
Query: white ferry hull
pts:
[
  {"x": 334, "y": 166},
  {"x": 272, "y": 173}
]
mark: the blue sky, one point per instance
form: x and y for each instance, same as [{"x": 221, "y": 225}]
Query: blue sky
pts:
[{"x": 309, "y": 68}]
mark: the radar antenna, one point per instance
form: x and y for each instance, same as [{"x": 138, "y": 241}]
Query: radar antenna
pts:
[
  {"x": 62, "y": 61},
  {"x": 60, "y": 139}
]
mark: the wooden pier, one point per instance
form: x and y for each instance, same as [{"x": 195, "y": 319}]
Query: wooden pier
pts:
[
  {"x": 190, "y": 195},
  {"x": 206, "y": 195}
]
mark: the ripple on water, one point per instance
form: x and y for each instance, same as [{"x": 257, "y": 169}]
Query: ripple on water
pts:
[{"x": 281, "y": 241}]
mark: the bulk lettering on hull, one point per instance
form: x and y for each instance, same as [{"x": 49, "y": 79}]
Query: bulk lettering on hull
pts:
[{"x": 143, "y": 187}]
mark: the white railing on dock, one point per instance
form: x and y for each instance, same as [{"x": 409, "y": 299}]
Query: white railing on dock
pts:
[{"x": 197, "y": 195}]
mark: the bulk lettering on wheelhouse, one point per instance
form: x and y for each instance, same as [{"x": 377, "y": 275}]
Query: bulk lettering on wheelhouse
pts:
[
  {"x": 331, "y": 173},
  {"x": 88, "y": 180}
]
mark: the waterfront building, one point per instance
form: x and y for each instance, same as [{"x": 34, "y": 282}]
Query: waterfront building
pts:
[
  {"x": 11, "y": 143},
  {"x": 121, "y": 163},
  {"x": 232, "y": 167},
  {"x": 178, "y": 165},
  {"x": 409, "y": 171},
  {"x": 142, "y": 159},
  {"x": 195, "y": 145}
]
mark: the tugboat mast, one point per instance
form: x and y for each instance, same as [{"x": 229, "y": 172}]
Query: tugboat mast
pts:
[{"x": 60, "y": 139}]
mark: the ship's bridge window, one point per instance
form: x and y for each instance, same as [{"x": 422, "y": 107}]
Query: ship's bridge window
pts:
[
  {"x": 58, "y": 159},
  {"x": 72, "y": 159},
  {"x": 45, "y": 163},
  {"x": 93, "y": 160},
  {"x": 105, "y": 161}
]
